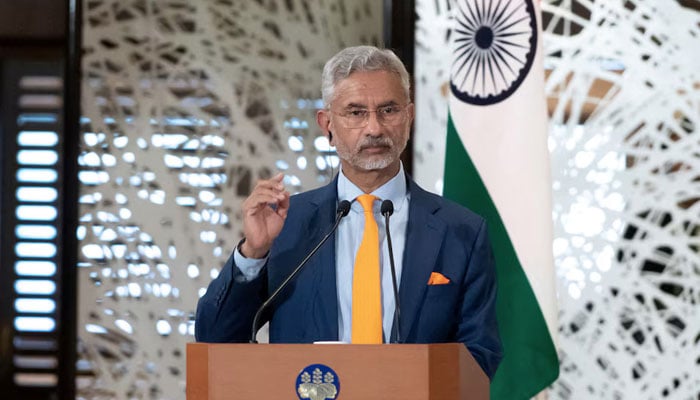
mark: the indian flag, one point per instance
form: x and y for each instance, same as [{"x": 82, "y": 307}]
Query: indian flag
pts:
[{"x": 497, "y": 164}]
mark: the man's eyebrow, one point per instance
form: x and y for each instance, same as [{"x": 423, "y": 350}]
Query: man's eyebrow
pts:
[
  {"x": 384, "y": 104},
  {"x": 388, "y": 103}
]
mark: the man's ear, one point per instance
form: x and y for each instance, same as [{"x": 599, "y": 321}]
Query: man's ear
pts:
[
  {"x": 411, "y": 112},
  {"x": 324, "y": 122}
]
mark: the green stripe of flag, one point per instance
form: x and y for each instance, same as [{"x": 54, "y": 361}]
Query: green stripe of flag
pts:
[{"x": 530, "y": 361}]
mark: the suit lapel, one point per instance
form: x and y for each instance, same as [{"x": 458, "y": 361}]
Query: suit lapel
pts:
[
  {"x": 424, "y": 236},
  {"x": 324, "y": 299}
]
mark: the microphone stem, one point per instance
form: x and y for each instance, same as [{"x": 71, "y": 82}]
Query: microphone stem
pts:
[
  {"x": 273, "y": 296},
  {"x": 397, "y": 311}
]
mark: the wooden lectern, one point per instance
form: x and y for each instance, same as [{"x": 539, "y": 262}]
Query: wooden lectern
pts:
[{"x": 364, "y": 372}]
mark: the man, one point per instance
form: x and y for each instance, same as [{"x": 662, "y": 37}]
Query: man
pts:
[{"x": 443, "y": 258}]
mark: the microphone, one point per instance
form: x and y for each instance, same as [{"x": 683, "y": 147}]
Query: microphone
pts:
[
  {"x": 387, "y": 210},
  {"x": 342, "y": 211}
]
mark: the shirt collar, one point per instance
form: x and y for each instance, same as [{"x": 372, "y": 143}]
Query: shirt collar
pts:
[{"x": 395, "y": 190}]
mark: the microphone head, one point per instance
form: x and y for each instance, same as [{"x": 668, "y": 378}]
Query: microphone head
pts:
[
  {"x": 343, "y": 208},
  {"x": 387, "y": 207}
]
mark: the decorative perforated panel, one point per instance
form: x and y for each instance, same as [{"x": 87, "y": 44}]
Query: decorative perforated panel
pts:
[
  {"x": 186, "y": 104},
  {"x": 624, "y": 92}
]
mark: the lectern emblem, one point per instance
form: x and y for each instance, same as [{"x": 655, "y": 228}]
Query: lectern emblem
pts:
[{"x": 318, "y": 382}]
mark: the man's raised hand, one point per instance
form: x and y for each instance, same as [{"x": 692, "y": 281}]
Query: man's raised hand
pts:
[{"x": 264, "y": 212}]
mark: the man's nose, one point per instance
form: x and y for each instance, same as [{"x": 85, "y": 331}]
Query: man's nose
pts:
[{"x": 374, "y": 127}]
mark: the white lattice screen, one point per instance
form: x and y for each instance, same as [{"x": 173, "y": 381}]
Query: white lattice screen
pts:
[
  {"x": 623, "y": 81},
  {"x": 185, "y": 104}
]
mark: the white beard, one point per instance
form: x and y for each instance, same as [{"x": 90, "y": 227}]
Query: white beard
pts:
[{"x": 372, "y": 162}]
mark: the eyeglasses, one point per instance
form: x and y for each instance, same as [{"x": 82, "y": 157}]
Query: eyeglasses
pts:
[{"x": 354, "y": 118}]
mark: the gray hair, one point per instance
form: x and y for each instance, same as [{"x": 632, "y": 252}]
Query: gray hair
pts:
[{"x": 360, "y": 59}]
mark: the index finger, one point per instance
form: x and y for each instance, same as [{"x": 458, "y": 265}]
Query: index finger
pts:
[{"x": 274, "y": 183}]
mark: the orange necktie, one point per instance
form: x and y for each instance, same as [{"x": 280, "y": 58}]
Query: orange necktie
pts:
[{"x": 366, "y": 286}]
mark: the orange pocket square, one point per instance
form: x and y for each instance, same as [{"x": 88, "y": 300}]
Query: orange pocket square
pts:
[{"x": 437, "y": 278}]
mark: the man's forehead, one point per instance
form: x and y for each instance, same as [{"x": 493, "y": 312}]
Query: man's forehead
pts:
[{"x": 361, "y": 89}]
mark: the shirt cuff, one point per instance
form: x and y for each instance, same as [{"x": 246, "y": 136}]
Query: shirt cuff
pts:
[{"x": 249, "y": 267}]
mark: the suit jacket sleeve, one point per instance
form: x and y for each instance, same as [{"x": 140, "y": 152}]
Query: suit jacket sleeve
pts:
[
  {"x": 478, "y": 328},
  {"x": 225, "y": 312}
]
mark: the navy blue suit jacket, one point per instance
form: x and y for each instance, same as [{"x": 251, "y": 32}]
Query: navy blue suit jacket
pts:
[{"x": 441, "y": 236}]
